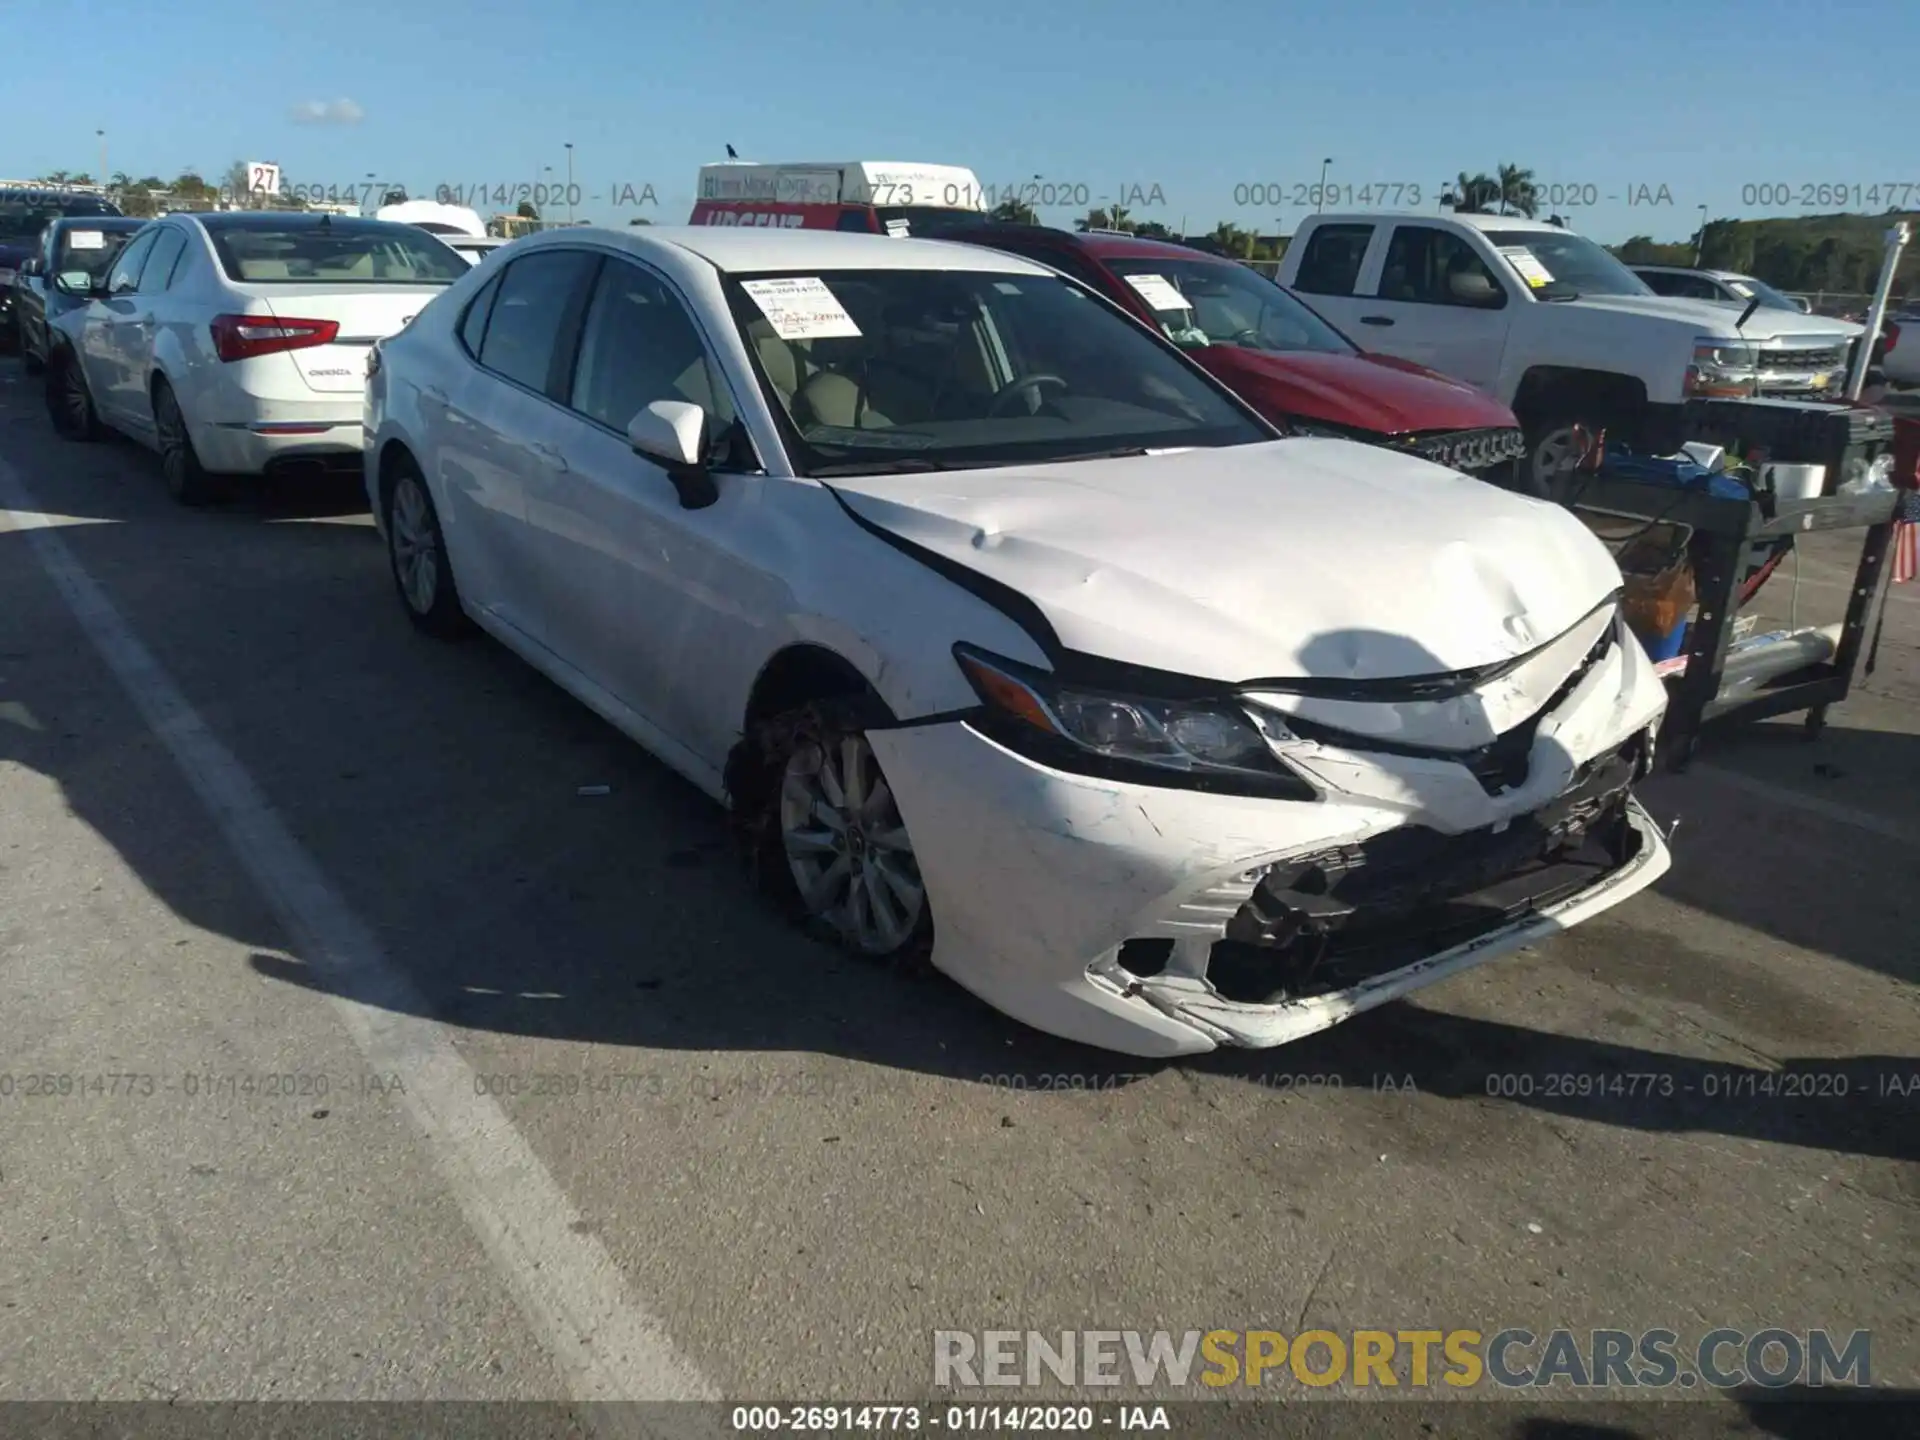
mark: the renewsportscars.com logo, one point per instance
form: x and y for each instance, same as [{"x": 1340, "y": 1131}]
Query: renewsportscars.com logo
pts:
[{"x": 1412, "y": 1359}]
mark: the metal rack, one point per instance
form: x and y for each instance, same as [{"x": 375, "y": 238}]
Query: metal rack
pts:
[{"x": 1724, "y": 530}]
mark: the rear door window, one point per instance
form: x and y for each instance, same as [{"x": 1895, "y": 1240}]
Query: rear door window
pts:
[
  {"x": 161, "y": 261},
  {"x": 1331, "y": 263}
]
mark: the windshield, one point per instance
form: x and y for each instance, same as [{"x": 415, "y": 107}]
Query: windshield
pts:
[
  {"x": 1749, "y": 288},
  {"x": 342, "y": 253},
  {"x": 905, "y": 369},
  {"x": 91, "y": 248},
  {"x": 925, "y": 220},
  {"x": 1210, "y": 302},
  {"x": 1570, "y": 260}
]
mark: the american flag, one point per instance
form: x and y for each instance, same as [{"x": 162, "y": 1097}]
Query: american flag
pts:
[{"x": 1906, "y": 537}]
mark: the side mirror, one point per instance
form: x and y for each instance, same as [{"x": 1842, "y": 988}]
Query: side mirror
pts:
[
  {"x": 673, "y": 434},
  {"x": 76, "y": 282},
  {"x": 30, "y": 266}
]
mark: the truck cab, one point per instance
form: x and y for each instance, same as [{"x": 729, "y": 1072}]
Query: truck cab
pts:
[{"x": 1552, "y": 324}]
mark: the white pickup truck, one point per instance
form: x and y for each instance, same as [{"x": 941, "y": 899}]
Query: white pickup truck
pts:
[{"x": 1552, "y": 324}]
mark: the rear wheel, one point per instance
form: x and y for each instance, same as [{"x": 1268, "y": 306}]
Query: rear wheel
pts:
[
  {"x": 417, "y": 555},
  {"x": 187, "y": 480},
  {"x": 1546, "y": 470},
  {"x": 30, "y": 362},
  {"x": 69, "y": 400}
]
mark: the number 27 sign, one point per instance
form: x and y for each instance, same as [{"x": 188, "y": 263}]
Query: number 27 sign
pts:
[{"x": 262, "y": 177}]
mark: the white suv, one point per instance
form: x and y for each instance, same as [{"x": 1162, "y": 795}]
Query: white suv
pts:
[{"x": 1014, "y": 639}]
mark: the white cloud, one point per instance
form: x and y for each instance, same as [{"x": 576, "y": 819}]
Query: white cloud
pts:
[{"x": 328, "y": 112}]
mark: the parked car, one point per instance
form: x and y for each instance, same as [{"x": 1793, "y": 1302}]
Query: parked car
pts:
[
  {"x": 1553, "y": 325},
  {"x": 235, "y": 343},
  {"x": 1723, "y": 287},
  {"x": 25, "y": 212},
  {"x": 1274, "y": 349},
  {"x": 82, "y": 251},
  {"x": 1011, "y": 636}
]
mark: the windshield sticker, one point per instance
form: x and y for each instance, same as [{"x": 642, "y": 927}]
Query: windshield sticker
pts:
[
  {"x": 86, "y": 239},
  {"x": 1745, "y": 292},
  {"x": 1158, "y": 292},
  {"x": 897, "y": 228},
  {"x": 801, "y": 309},
  {"x": 1528, "y": 265}
]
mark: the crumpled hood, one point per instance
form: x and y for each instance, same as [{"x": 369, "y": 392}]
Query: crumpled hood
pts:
[
  {"x": 1388, "y": 398},
  {"x": 1293, "y": 558},
  {"x": 1716, "y": 319}
]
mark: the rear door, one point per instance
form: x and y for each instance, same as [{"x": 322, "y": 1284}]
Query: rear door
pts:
[
  {"x": 1437, "y": 302},
  {"x": 525, "y": 362},
  {"x": 1328, "y": 273},
  {"x": 134, "y": 333}
]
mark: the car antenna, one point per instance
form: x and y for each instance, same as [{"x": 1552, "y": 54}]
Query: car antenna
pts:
[{"x": 1747, "y": 314}]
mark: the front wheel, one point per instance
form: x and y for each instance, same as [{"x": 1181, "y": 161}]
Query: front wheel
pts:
[
  {"x": 834, "y": 850},
  {"x": 1553, "y": 449},
  {"x": 417, "y": 555}
]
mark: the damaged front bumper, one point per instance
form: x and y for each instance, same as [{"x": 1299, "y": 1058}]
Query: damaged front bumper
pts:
[{"x": 1161, "y": 921}]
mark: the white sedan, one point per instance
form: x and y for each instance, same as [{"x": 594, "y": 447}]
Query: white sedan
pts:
[
  {"x": 235, "y": 343},
  {"x": 1012, "y": 639}
]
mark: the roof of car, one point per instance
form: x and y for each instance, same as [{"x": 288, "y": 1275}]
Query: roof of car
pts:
[
  {"x": 1693, "y": 270},
  {"x": 285, "y": 220},
  {"x": 1105, "y": 244},
  {"x": 99, "y": 222},
  {"x": 737, "y": 249},
  {"x": 1478, "y": 221}
]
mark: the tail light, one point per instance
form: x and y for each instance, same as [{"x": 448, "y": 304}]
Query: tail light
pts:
[{"x": 241, "y": 337}]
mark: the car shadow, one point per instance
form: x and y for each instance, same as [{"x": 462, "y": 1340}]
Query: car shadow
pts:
[{"x": 439, "y": 788}]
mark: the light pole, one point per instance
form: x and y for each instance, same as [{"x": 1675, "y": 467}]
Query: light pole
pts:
[
  {"x": 1320, "y": 198},
  {"x": 101, "y": 136},
  {"x": 1700, "y": 240},
  {"x": 569, "y": 145}
]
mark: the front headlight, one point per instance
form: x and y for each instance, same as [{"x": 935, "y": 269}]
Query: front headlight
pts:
[
  {"x": 1198, "y": 744},
  {"x": 1723, "y": 368}
]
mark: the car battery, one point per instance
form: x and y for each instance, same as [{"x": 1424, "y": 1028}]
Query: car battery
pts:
[{"x": 1846, "y": 439}]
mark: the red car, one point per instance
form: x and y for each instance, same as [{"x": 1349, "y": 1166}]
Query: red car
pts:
[{"x": 1274, "y": 351}]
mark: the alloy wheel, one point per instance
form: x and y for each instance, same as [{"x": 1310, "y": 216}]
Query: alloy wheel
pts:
[
  {"x": 414, "y": 545},
  {"x": 847, "y": 846}
]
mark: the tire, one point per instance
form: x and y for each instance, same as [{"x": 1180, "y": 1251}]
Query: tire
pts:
[
  {"x": 187, "y": 480},
  {"x": 69, "y": 400},
  {"x": 417, "y": 557},
  {"x": 1549, "y": 444},
  {"x": 33, "y": 364},
  {"x": 843, "y": 870}
]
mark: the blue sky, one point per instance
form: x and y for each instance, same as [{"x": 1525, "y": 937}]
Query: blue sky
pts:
[{"x": 1201, "y": 99}]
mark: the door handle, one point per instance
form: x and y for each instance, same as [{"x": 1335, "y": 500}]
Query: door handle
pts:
[
  {"x": 1375, "y": 320},
  {"x": 553, "y": 459}
]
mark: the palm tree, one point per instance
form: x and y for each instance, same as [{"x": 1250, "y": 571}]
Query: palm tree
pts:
[
  {"x": 1517, "y": 191},
  {"x": 57, "y": 177},
  {"x": 1120, "y": 218},
  {"x": 1015, "y": 211},
  {"x": 1094, "y": 220},
  {"x": 1475, "y": 194},
  {"x": 1232, "y": 240},
  {"x": 120, "y": 181}
]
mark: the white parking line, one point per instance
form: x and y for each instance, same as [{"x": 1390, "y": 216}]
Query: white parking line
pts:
[
  {"x": 606, "y": 1342},
  {"x": 1811, "y": 804}
]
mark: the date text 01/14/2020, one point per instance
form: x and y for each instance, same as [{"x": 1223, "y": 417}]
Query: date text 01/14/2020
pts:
[
  {"x": 625, "y": 195},
  {"x": 193, "y": 1085},
  {"x": 960, "y": 1419}
]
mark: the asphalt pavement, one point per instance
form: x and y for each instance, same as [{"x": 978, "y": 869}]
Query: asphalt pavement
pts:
[{"x": 354, "y": 1054}]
